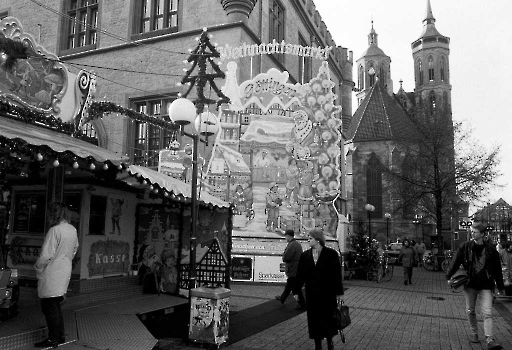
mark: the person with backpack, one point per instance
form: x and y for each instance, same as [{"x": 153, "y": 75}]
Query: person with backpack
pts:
[{"x": 481, "y": 262}]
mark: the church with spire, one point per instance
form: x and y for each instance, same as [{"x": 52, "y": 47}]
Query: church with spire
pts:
[{"x": 383, "y": 121}]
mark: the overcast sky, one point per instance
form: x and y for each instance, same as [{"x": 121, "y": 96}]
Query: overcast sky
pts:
[{"x": 480, "y": 55}]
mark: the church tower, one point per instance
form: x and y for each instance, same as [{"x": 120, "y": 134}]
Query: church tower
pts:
[
  {"x": 431, "y": 64},
  {"x": 373, "y": 66}
]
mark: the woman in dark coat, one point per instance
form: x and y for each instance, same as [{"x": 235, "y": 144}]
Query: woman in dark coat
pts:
[{"x": 320, "y": 270}]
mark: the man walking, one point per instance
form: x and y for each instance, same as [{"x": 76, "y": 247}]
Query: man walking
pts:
[
  {"x": 291, "y": 258},
  {"x": 482, "y": 265}
]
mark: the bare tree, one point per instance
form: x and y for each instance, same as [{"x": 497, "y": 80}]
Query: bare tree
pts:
[{"x": 442, "y": 168}]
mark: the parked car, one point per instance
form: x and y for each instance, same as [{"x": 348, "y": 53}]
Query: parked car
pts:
[
  {"x": 9, "y": 291},
  {"x": 393, "y": 252}
]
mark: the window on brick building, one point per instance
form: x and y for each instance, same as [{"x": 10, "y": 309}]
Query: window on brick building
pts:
[
  {"x": 89, "y": 134},
  {"x": 150, "y": 139},
  {"x": 360, "y": 78},
  {"x": 156, "y": 17},
  {"x": 420, "y": 72},
  {"x": 81, "y": 24},
  {"x": 442, "y": 69},
  {"x": 305, "y": 64},
  {"x": 431, "y": 68},
  {"x": 374, "y": 185},
  {"x": 276, "y": 29}
]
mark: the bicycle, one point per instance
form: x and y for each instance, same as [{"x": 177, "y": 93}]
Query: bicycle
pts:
[
  {"x": 385, "y": 271},
  {"x": 431, "y": 262}
]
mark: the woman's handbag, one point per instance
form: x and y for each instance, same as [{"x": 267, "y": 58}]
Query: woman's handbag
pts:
[
  {"x": 459, "y": 281},
  {"x": 342, "y": 318}
]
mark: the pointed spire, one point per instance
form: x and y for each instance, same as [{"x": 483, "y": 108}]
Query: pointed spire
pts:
[
  {"x": 429, "y": 17},
  {"x": 372, "y": 37}
]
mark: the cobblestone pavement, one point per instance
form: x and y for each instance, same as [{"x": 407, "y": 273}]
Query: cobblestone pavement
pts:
[{"x": 386, "y": 315}]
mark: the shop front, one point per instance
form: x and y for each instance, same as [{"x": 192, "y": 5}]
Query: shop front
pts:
[{"x": 124, "y": 214}]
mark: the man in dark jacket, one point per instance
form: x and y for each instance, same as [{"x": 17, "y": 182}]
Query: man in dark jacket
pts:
[
  {"x": 481, "y": 262},
  {"x": 291, "y": 258},
  {"x": 320, "y": 271}
]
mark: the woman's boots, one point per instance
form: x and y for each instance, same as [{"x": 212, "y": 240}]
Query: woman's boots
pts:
[
  {"x": 318, "y": 344},
  {"x": 330, "y": 345}
]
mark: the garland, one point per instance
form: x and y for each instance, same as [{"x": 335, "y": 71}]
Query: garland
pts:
[
  {"x": 28, "y": 115},
  {"x": 13, "y": 50},
  {"x": 97, "y": 109}
]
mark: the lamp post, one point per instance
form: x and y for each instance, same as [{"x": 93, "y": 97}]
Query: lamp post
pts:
[
  {"x": 369, "y": 208},
  {"x": 387, "y": 216},
  {"x": 183, "y": 112}
]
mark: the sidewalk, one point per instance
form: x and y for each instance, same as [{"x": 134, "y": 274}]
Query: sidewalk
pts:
[{"x": 386, "y": 315}]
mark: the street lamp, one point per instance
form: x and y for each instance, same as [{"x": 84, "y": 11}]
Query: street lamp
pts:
[
  {"x": 369, "y": 208},
  {"x": 183, "y": 112},
  {"x": 387, "y": 216}
]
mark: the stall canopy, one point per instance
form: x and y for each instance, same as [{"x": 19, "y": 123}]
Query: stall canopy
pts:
[
  {"x": 36, "y": 135},
  {"x": 174, "y": 186}
]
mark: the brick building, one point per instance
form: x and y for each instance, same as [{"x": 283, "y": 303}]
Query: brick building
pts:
[{"x": 137, "y": 49}]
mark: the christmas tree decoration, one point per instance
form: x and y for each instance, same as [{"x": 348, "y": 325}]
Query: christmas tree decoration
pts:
[{"x": 200, "y": 56}]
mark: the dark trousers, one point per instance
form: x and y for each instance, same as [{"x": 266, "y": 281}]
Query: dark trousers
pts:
[
  {"x": 407, "y": 273},
  {"x": 51, "y": 308},
  {"x": 292, "y": 285}
]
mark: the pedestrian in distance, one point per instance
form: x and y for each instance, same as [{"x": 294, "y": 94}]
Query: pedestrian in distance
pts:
[
  {"x": 420, "y": 251},
  {"x": 407, "y": 257},
  {"x": 320, "y": 271},
  {"x": 291, "y": 258},
  {"x": 482, "y": 264},
  {"x": 53, "y": 270}
]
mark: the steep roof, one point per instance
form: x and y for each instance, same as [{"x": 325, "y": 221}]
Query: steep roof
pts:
[
  {"x": 373, "y": 50},
  {"x": 380, "y": 117}
]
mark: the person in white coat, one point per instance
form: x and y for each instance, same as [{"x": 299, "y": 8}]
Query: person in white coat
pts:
[{"x": 53, "y": 270}]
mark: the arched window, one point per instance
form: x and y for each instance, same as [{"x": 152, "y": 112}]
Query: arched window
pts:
[
  {"x": 420, "y": 72},
  {"x": 407, "y": 190},
  {"x": 442, "y": 68},
  {"x": 371, "y": 75},
  {"x": 382, "y": 75},
  {"x": 374, "y": 185},
  {"x": 430, "y": 68},
  {"x": 360, "y": 79},
  {"x": 432, "y": 105}
]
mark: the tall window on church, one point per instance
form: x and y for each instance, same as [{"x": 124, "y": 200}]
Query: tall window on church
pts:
[
  {"x": 360, "y": 78},
  {"x": 420, "y": 72},
  {"x": 382, "y": 76},
  {"x": 432, "y": 105},
  {"x": 430, "y": 68},
  {"x": 442, "y": 68},
  {"x": 371, "y": 76},
  {"x": 374, "y": 185},
  {"x": 407, "y": 190}
]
